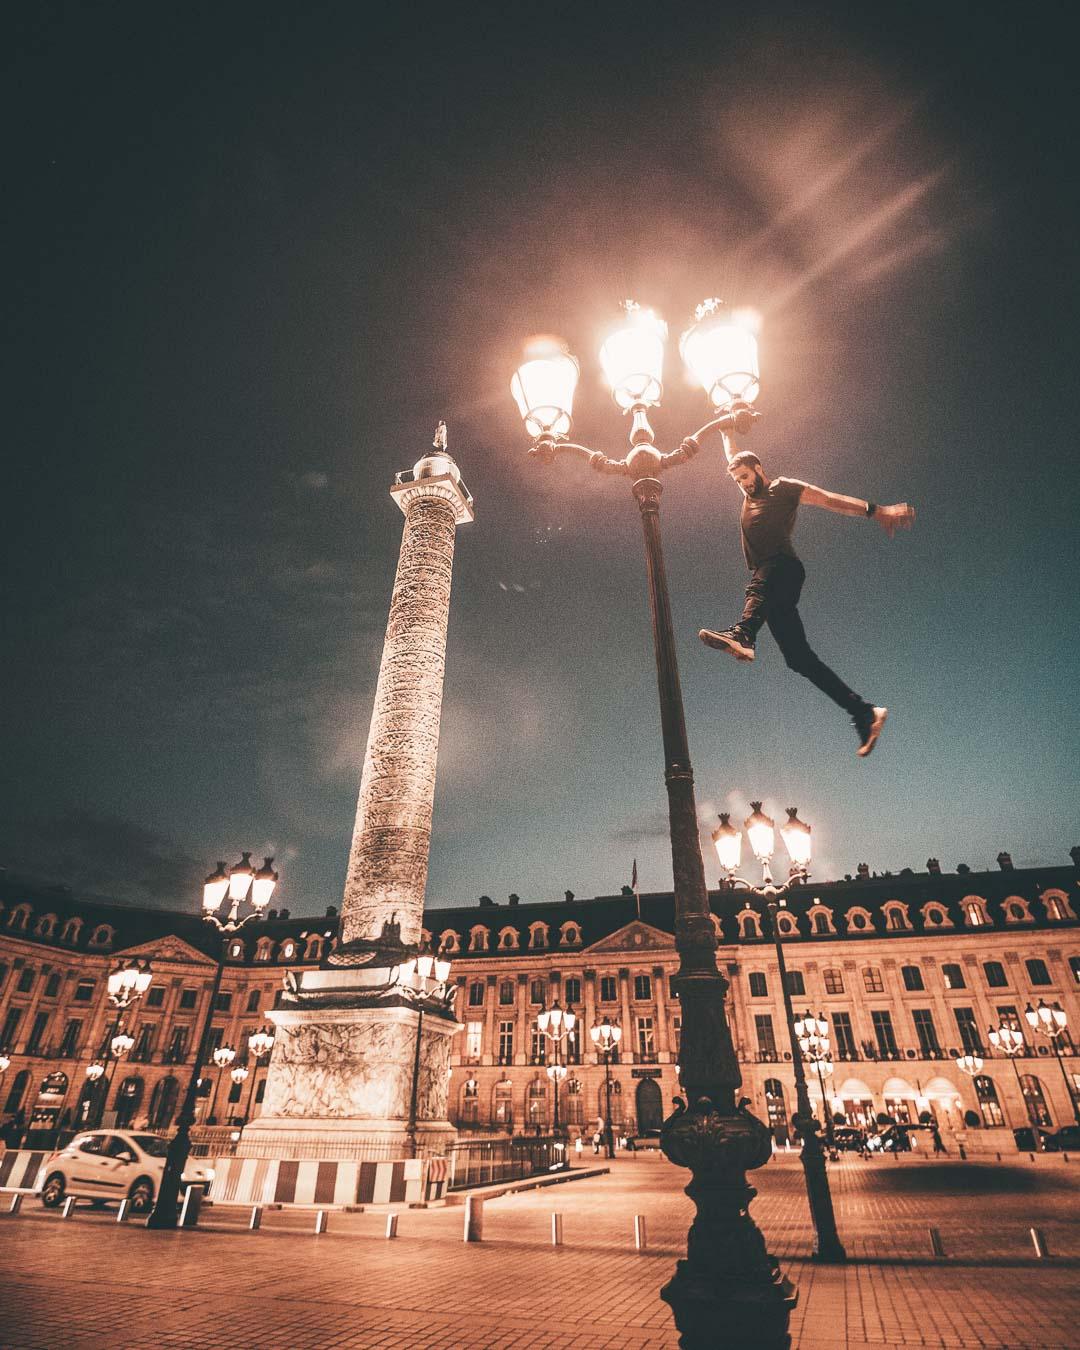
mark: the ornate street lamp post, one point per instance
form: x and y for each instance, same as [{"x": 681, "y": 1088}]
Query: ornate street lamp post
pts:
[
  {"x": 260, "y": 1043},
  {"x": 1052, "y": 1021},
  {"x": 223, "y": 1056},
  {"x": 125, "y": 986},
  {"x": 728, "y": 1286},
  {"x": 796, "y": 835},
  {"x": 1009, "y": 1040},
  {"x": 557, "y": 1025},
  {"x": 423, "y": 980},
  {"x": 243, "y": 884},
  {"x": 606, "y": 1038},
  {"x": 813, "y": 1036},
  {"x": 239, "y": 1076}
]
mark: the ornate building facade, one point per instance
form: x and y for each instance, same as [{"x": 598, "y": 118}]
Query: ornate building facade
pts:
[{"x": 909, "y": 971}]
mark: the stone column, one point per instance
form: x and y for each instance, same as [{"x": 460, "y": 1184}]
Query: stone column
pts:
[{"x": 388, "y": 861}]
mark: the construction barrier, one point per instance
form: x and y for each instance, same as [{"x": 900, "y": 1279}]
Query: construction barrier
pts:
[
  {"x": 20, "y": 1169},
  {"x": 277, "y": 1181}
]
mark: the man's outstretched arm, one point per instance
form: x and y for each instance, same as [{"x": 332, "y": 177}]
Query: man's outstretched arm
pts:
[{"x": 901, "y": 516}]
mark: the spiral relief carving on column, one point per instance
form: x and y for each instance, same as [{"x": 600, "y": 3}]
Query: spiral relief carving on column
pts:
[{"x": 388, "y": 861}]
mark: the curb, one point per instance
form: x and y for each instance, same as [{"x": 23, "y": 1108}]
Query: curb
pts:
[{"x": 526, "y": 1184}]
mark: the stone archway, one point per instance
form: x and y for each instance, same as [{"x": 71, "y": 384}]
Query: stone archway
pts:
[{"x": 649, "y": 1105}]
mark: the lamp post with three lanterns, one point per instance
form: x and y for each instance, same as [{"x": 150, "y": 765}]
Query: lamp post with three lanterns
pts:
[
  {"x": 728, "y": 1278},
  {"x": 761, "y": 832},
  {"x": 813, "y": 1037},
  {"x": 260, "y": 1043},
  {"x": 556, "y": 1025},
  {"x": 125, "y": 986},
  {"x": 242, "y": 884},
  {"x": 606, "y": 1037},
  {"x": 423, "y": 980},
  {"x": 1051, "y": 1020}
]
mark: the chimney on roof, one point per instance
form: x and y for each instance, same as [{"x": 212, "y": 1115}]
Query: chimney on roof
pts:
[
  {"x": 283, "y": 914},
  {"x": 1074, "y": 854},
  {"x": 933, "y": 867},
  {"x": 568, "y": 896},
  {"x": 863, "y": 871},
  {"x": 271, "y": 913},
  {"x": 1004, "y": 861},
  {"x": 962, "y": 869},
  {"x": 485, "y": 901},
  {"x": 513, "y": 899},
  {"x": 331, "y": 911}
]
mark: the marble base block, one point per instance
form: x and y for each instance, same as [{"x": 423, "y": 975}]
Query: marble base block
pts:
[{"x": 340, "y": 1083}]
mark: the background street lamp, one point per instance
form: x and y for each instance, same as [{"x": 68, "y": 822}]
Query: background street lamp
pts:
[
  {"x": 606, "y": 1038},
  {"x": 422, "y": 979},
  {"x": 238, "y": 1076},
  {"x": 242, "y": 884},
  {"x": 1010, "y": 1041},
  {"x": 728, "y": 1278},
  {"x": 796, "y": 835},
  {"x": 260, "y": 1043},
  {"x": 125, "y": 986},
  {"x": 223, "y": 1056},
  {"x": 813, "y": 1034},
  {"x": 557, "y": 1025},
  {"x": 1052, "y": 1021}
]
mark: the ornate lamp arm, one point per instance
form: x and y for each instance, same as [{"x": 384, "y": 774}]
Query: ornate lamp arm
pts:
[{"x": 546, "y": 448}]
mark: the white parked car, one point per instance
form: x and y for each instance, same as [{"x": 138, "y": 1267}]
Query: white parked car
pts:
[{"x": 100, "y": 1165}]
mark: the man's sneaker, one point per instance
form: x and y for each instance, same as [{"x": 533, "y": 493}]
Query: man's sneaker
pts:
[
  {"x": 868, "y": 724},
  {"x": 730, "y": 640}
]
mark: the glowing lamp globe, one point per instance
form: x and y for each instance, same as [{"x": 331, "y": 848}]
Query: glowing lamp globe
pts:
[
  {"x": 238, "y": 1074},
  {"x": 424, "y": 965},
  {"x": 442, "y": 969},
  {"x": 796, "y": 836},
  {"x": 728, "y": 842},
  {"x": 632, "y": 359},
  {"x": 260, "y": 1043},
  {"x": 214, "y": 888},
  {"x": 543, "y": 388},
  {"x": 721, "y": 352},
  {"x": 263, "y": 883},
  {"x": 240, "y": 878},
  {"x": 761, "y": 832}
]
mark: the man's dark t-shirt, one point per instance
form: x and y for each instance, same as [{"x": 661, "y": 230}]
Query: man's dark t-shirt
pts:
[{"x": 768, "y": 521}]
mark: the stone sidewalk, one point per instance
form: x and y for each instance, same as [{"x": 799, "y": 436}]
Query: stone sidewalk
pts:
[{"x": 89, "y": 1282}]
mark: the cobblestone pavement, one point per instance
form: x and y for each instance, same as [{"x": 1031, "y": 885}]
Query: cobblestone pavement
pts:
[{"x": 90, "y": 1282}]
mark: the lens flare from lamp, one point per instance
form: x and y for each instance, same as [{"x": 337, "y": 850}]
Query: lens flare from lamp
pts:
[
  {"x": 543, "y": 387},
  {"x": 761, "y": 831},
  {"x": 721, "y": 352},
  {"x": 728, "y": 842},
  {"x": 632, "y": 359},
  {"x": 796, "y": 836}
]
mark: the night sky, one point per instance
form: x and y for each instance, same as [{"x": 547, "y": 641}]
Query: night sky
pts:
[{"x": 255, "y": 254}]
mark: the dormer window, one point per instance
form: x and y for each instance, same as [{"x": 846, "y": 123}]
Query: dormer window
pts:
[
  {"x": 508, "y": 940},
  {"x": 102, "y": 936},
  {"x": 538, "y": 935},
  {"x": 478, "y": 938},
  {"x": 749, "y": 924},
  {"x": 570, "y": 935},
  {"x": 896, "y": 916},
  {"x": 449, "y": 942},
  {"x": 935, "y": 915},
  {"x": 975, "y": 913}
]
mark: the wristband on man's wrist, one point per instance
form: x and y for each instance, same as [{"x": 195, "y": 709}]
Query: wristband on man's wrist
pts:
[{"x": 871, "y": 508}]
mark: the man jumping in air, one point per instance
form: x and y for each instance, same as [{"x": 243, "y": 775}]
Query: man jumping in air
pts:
[{"x": 767, "y": 521}]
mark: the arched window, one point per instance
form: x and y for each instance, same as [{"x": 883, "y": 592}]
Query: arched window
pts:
[
  {"x": 102, "y": 935},
  {"x": 15, "y": 1092},
  {"x": 19, "y": 917},
  {"x": 314, "y": 947},
  {"x": 777, "y": 1110},
  {"x": 935, "y": 915},
  {"x": 821, "y": 920},
  {"x": 616, "y": 1103},
  {"x": 1017, "y": 910},
  {"x": 896, "y": 916},
  {"x": 449, "y": 942},
  {"x": 45, "y": 926},
  {"x": 575, "y": 1102},
  {"x": 1034, "y": 1100},
  {"x": 989, "y": 1105},
  {"x": 1057, "y": 906},
  {"x": 163, "y": 1103},
  {"x": 503, "y": 1104},
  {"x": 1074, "y": 966},
  {"x": 859, "y": 920},
  {"x": 973, "y": 908},
  {"x": 570, "y": 934},
  {"x": 508, "y": 940},
  {"x": 953, "y": 976},
  {"x": 749, "y": 924},
  {"x": 236, "y": 950},
  {"x": 786, "y": 925},
  {"x": 470, "y": 1102},
  {"x": 288, "y": 950},
  {"x": 538, "y": 934},
  {"x": 536, "y": 1104},
  {"x": 478, "y": 938},
  {"x": 128, "y": 1096},
  {"x": 717, "y": 927},
  {"x": 71, "y": 930},
  {"x": 264, "y": 949}
]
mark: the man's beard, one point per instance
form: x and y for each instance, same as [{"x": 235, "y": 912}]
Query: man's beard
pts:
[{"x": 758, "y": 490}]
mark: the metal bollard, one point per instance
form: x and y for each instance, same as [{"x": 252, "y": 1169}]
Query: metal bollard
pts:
[
  {"x": 69, "y": 1207},
  {"x": 936, "y": 1246},
  {"x": 474, "y": 1219},
  {"x": 320, "y": 1221},
  {"x": 189, "y": 1210},
  {"x": 255, "y": 1221},
  {"x": 556, "y": 1230},
  {"x": 639, "y": 1232},
  {"x": 391, "y": 1225},
  {"x": 122, "y": 1212},
  {"x": 1038, "y": 1241},
  {"x": 16, "y": 1204}
]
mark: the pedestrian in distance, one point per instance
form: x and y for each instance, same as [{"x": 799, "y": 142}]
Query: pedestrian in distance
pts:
[{"x": 767, "y": 521}]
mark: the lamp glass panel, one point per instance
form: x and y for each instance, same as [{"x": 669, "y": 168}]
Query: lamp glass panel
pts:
[
  {"x": 762, "y": 834},
  {"x": 796, "y": 836},
  {"x": 728, "y": 842},
  {"x": 262, "y": 888},
  {"x": 543, "y": 389},
  {"x": 632, "y": 359},
  {"x": 722, "y": 355}
]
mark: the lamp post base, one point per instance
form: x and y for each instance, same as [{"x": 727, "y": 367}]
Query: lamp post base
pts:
[{"x": 729, "y": 1292}]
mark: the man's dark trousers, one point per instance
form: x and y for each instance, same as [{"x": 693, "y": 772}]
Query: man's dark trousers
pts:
[{"x": 772, "y": 598}]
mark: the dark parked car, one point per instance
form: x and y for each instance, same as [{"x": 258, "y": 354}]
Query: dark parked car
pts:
[
  {"x": 849, "y": 1138},
  {"x": 1065, "y": 1139}
]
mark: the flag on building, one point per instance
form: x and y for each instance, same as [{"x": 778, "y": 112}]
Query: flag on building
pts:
[{"x": 634, "y": 888}]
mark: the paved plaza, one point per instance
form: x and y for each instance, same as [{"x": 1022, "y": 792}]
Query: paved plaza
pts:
[{"x": 90, "y": 1282}]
